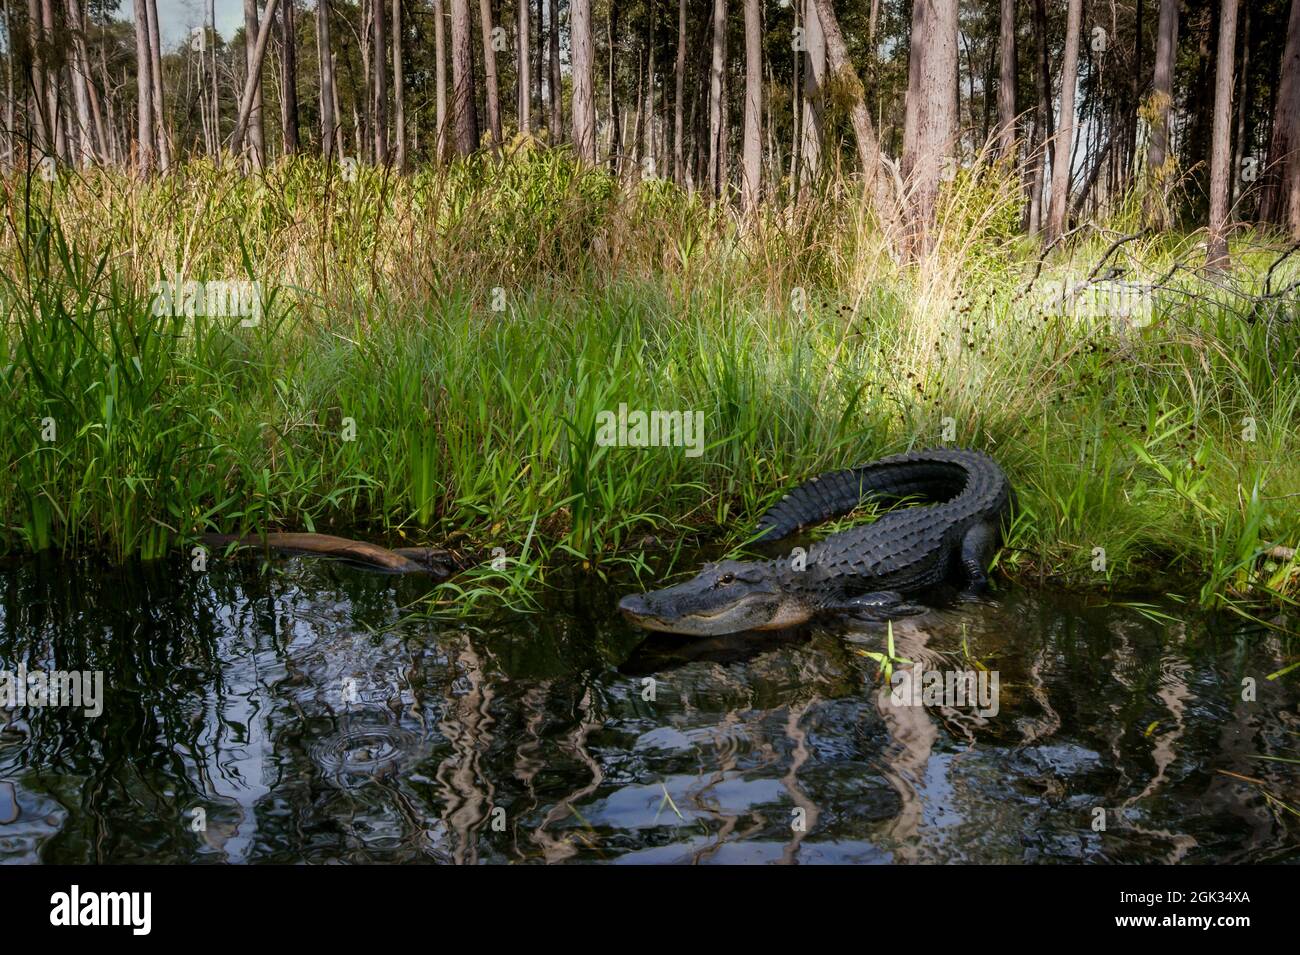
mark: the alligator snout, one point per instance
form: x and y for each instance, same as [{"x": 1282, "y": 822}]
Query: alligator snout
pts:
[{"x": 634, "y": 606}]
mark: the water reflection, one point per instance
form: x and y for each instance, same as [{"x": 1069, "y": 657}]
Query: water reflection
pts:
[{"x": 287, "y": 713}]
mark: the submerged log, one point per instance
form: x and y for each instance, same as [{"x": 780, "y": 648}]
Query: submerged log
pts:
[{"x": 402, "y": 560}]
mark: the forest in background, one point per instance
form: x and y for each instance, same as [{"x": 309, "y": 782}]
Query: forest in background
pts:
[{"x": 1194, "y": 104}]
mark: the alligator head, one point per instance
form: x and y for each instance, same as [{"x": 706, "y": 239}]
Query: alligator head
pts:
[{"x": 726, "y": 597}]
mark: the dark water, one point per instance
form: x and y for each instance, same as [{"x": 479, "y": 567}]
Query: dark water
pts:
[{"x": 530, "y": 739}]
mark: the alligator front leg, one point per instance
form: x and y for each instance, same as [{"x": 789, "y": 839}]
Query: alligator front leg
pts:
[{"x": 977, "y": 549}]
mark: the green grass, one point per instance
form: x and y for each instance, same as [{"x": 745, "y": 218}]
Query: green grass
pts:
[{"x": 383, "y": 395}]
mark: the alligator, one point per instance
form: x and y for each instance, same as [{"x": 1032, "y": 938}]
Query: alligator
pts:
[{"x": 869, "y": 570}]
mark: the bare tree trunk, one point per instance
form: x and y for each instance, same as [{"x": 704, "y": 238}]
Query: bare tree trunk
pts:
[
  {"x": 1239, "y": 132},
  {"x": 144, "y": 91},
  {"x": 256, "y": 141},
  {"x": 462, "y": 80},
  {"x": 440, "y": 80},
  {"x": 1280, "y": 201},
  {"x": 1065, "y": 127},
  {"x": 679, "y": 80},
  {"x": 615, "y": 121},
  {"x": 752, "y": 148},
  {"x": 490, "y": 74},
  {"x": 524, "y": 53},
  {"x": 1007, "y": 79},
  {"x": 864, "y": 131},
  {"x": 117, "y": 149},
  {"x": 650, "y": 97},
  {"x": 80, "y": 82},
  {"x": 1162, "y": 97},
  {"x": 39, "y": 106},
  {"x": 584, "y": 107},
  {"x": 1044, "y": 131},
  {"x": 717, "y": 162},
  {"x": 399, "y": 88},
  {"x": 537, "y": 63},
  {"x": 328, "y": 105},
  {"x": 289, "y": 79},
  {"x": 1216, "y": 254},
  {"x": 814, "y": 81},
  {"x": 9, "y": 88},
  {"x": 638, "y": 122},
  {"x": 363, "y": 95},
  {"x": 555, "y": 81},
  {"x": 379, "y": 63},
  {"x": 338, "y": 109},
  {"x": 212, "y": 64},
  {"x": 930, "y": 127},
  {"x": 253, "y": 83},
  {"x": 52, "y": 86},
  {"x": 78, "y": 15}
]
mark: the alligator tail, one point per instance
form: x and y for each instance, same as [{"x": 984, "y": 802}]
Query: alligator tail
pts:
[{"x": 930, "y": 476}]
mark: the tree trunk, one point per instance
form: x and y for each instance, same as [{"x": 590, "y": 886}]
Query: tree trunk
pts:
[
  {"x": 214, "y": 90},
  {"x": 537, "y": 64},
  {"x": 256, "y": 141},
  {"x": 363, "y": 94},
  {"x": 930, "y": 128},
  {"x": 1162, "y": 97},
  {"x": 1239, "y": 136},
  {"x": 716, "y": 119},
  {"x": 490, "y": 75},
  {"x": 116, "y": 147},
  {"x": 524, "y": 72},
  {"x": 1046, "y": 129},
  {"x": 144, "y": 155},
  {"x": 1065, "y": 127},
  {"x": 328, "y": 115},
  {"x": 1216, "y": 255},
  {"x": 555, "y": 82},
  {"x": 289, "y": 77},
  {"x": 38, "y": 106},
  {"x": 1007, "y": 79},
  {"x": 440, "y": 79},
  {"x": 159, "y": 110},
  {"x": 1280, "y": 201},
  {"x": 253, "y": 83},
  {"x": 379, "y": 65},
  {"x": 752, "y": 148},
  {"x": 679, "y": 81},
  {"x": 80, "y": 85},
  {"x": 584, "y": 107},
  {"x": 462, "y": 80},
  {"x": 864, "y": 132},
  {"x": 615, "y": 121},
  {"x": 52, "y": 85},
  {"x": 399, "y": 89},
  {"x": 1135, "y": 97},
  {"x": 814, "y": 79},
  {"x": 650, "y": 97},
  {"x": 9, "y": 90}
]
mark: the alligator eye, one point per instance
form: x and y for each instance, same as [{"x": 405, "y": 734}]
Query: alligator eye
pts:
[{"x": 726, "y": 578}]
